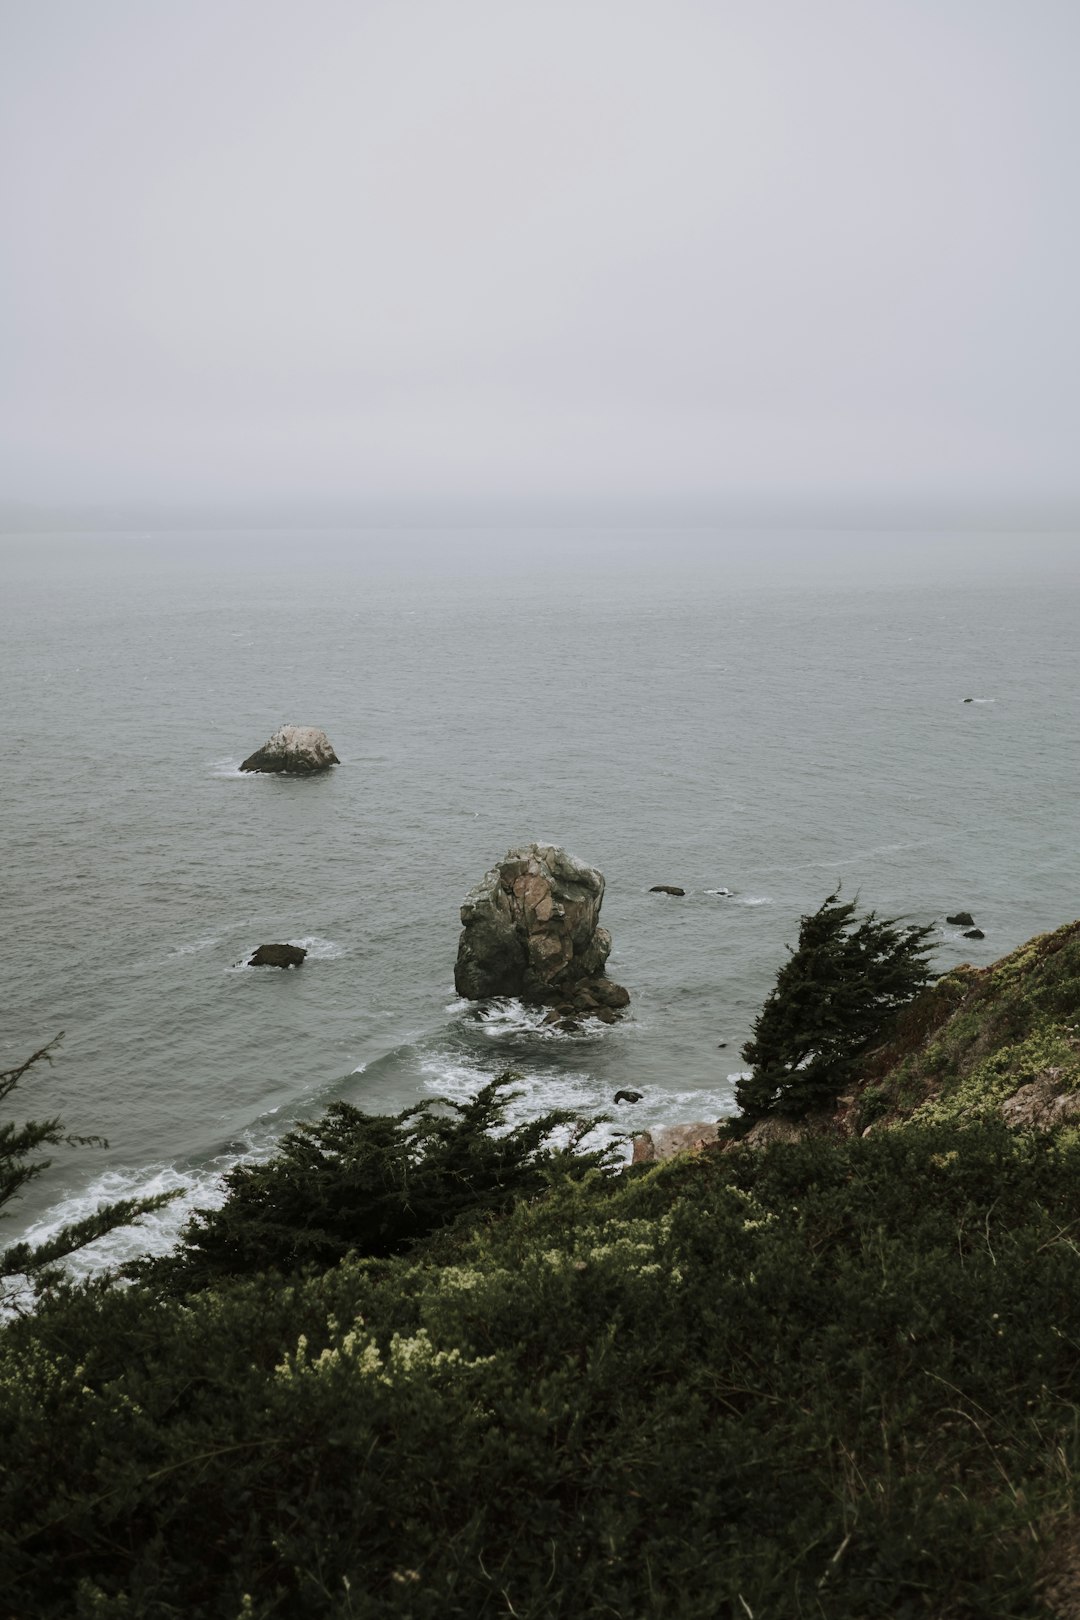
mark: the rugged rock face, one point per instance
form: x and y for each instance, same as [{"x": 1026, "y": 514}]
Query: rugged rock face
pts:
[
  {"x": 531, "y": 929},
  {"x": 277, "y": 956},
  {"x": 293, "y": 750},
  {"x": 668, "y": 1140},
  {"x": 1040, "y": 1105}
]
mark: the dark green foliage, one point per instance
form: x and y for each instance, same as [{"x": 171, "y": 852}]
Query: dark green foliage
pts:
[
  {"x": 20, "y": 1163},
  {"x": 373, "y": 1184},
  {"x": 832, "y": 1380},
  {"x": 845, "y": 982}
]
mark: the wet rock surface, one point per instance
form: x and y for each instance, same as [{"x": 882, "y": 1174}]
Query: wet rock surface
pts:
[
  {"x": 293, "y": 751},
  {"x": 666, "y": 888},
  {"x": 961, "y": 919},
  {"x": 531, "y": 928},
  {"x": 280, "y": 956}
]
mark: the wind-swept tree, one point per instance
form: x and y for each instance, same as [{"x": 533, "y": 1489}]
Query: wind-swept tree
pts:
[
  {"x": 375, "y": 1185},
  {"x": 845, "y": 981},
  {"x": 21, "y": 1162}
]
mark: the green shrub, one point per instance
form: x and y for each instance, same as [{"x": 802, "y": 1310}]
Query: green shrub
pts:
[{"x": 827, "y": 1379}]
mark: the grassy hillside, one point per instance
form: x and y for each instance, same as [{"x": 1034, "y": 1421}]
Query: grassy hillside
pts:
[
  {"x": 979, "y": 1036},
  {"x": 833, "y": 1377}
]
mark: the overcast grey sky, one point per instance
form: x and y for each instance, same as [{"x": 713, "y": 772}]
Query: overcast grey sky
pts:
[{"x": 801, "y": 257}]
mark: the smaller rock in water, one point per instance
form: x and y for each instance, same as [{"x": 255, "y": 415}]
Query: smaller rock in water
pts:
[
  {"x": 969, "y": 700},
  {"x": 628, "y": 1096},
  {"x": 293, "y": 751},
  {"x": 974, "y": 933},
  {"x": 666, "y": 888},
  {"x": 720, "y": 1045},
  {"x": 281, "y": 956},
  {"x": 962, "y": 919}
]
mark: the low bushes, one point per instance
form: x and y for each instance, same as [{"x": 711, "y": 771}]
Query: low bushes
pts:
[{"x": 829, "y": 1379}]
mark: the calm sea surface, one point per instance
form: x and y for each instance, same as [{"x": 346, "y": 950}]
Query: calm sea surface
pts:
[{"x": 667, "y": 718}]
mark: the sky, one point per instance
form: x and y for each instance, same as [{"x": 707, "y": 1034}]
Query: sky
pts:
[{"x": 738, "y": 260}]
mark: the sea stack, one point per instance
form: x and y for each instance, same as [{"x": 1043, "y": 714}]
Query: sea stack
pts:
[
  {"x": 531, "y": 929},
  {"x": 293, "y": 751}
]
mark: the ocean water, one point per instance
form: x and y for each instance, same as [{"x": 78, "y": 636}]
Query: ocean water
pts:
[{"x": 757, "y": 735}]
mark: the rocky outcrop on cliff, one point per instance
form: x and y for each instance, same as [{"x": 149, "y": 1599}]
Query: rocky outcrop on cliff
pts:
[
  {"x": 531, "y": 928},
  {"x": 293, "y": 751},
  {"x": 665, "y": 1141}
]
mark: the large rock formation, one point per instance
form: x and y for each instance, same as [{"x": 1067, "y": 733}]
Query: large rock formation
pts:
[
  {"x": 295, "y": 751},
  {"x": 531, "y": 929}
]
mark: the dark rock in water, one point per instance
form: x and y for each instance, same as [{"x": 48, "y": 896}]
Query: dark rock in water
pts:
[
  {"x": 531, "y": 929},
  {"x": 666, "y": 888},
  {"x": 969, "y": 700},
  {"x": 293, "y": 751},
  {"x": 720, "y": 1045},
  {"x": 628, "y": 1096},
  {"x": 974, "y": 933},
  {"x": 608, "y": 993},
  {"x": 962, "y": 919},
  {"x": 282, "y": 956}
]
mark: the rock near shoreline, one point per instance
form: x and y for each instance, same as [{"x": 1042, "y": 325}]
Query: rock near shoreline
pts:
[{"x": 531, "y": 929}]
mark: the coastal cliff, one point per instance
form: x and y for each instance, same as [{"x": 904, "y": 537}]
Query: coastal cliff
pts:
[{"x": 999, "y": 1042}]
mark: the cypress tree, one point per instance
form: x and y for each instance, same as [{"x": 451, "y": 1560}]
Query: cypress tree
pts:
[{"x": 844, "y": 982}]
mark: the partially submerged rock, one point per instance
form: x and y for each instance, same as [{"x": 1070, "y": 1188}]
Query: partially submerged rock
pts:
[
  {"x": 666, "y": 888},
  {"x": 961, "y": 919},
  {"x": 974, "y": 933},
  {"x": 281, "y": 956},
  {"x": 531, "y": 929},
  {"x": 293, "y": 751}
]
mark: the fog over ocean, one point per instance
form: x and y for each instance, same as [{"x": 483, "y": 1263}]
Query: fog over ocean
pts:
[{"x": 755, "y": 722}]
